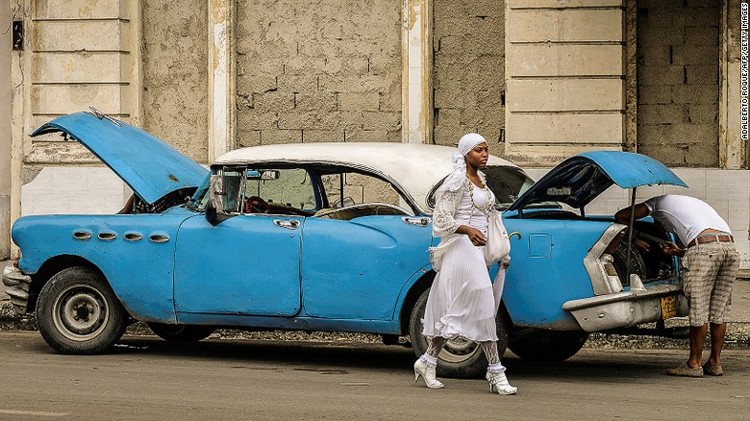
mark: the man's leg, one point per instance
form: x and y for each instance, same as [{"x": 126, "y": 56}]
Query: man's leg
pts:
[
  {"x": 699, "y": 273},
  {"x": 697, "y": 342},
  {"x": 721, "y": 301},
  {"x": 717, "y": 343}
]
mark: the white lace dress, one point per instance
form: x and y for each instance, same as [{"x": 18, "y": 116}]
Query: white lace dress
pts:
[{"x": 462, "y": 301}]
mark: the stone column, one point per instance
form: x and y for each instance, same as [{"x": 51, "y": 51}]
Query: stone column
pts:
[
  {"x": 416, "y": 115},
  {"x": 221, "y": 114},
  {"x": 733, "y": 149},
  {"x": 5, "y": 129}
]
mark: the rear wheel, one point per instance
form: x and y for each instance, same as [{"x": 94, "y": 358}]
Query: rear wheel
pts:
[
  {"x": 547, "y": 345},
  {"x": 78, "y": 313},
  {"x": 459, "y": 358},
  {"x": 620, "y": 261},
  {"x": 181, "y": 333}
]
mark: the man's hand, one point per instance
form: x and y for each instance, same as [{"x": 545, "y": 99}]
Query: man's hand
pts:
[
  {"x": 641, "y": 244},
  {"x": 672, "y": 249}
]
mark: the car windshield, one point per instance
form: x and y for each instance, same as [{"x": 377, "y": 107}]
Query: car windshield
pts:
[{"x": 506, "y": 182}]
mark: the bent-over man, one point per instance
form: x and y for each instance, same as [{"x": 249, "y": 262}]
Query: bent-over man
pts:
[{"x": 710, "y": 263}]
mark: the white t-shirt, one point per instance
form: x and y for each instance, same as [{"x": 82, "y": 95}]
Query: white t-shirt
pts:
[{"x": 685, "y": 216}]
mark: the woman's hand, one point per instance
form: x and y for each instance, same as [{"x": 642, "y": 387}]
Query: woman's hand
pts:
[
  {"x": 505, "y": 263},
  {"x": 475, "y": 236}
]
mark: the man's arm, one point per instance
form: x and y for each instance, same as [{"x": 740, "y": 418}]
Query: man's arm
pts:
[{"x": 623, "y": 215}]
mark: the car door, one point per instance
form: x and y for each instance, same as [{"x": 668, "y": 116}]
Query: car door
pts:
[
  {"x": 356, "y": 269},
  {"x": 360, "y": 253},
  {"x": 246, "y": 265}
]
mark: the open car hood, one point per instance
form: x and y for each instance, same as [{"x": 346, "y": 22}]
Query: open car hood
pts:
[
  {"x": 580, "y": 179},
  {"x": 148, "y": 165}
]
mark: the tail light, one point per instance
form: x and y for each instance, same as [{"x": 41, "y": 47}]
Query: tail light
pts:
[{"x": 615, "y": 244}]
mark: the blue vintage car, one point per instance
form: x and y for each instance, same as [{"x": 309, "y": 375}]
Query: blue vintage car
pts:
[{"x": 331, "y": 236}]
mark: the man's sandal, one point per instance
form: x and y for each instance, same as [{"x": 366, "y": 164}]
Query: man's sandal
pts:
[
  {"x": 713, "y": 370},
  {"x": 683, "y": 370}
]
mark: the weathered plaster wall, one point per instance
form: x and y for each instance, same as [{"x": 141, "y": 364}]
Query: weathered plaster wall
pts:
[
  {"x": 469, "y": 70},
  {"x": 175, "y": 74},
  {"x": 318, "y": 70},
  {"x": 678, "y": 53}
]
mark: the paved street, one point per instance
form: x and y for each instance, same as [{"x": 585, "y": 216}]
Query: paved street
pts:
[{"x": 146, "y": 378}]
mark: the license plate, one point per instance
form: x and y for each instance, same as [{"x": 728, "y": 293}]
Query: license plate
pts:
[{"x": 668, "y": 307}]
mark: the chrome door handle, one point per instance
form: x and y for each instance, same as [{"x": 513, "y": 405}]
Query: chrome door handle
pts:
[
  {"x": 286, "y": 223},
  {"x": 418, "y": 221}
]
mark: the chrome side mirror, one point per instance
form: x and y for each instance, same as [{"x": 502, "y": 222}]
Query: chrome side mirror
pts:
[{"x": 215, "y": 213}]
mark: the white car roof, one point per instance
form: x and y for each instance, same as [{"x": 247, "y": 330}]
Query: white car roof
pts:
[{"x": 414, "y": 167}]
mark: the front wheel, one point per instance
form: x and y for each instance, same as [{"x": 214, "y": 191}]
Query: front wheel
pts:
[
  {"x": 547, "y": 345},
  {"x": 181, "y": 333},
  {"x": 459, "y": 358},
  {"x": 78, "y": 313}
]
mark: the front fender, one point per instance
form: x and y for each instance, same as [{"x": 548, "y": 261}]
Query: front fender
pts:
[{"x": 134, "y": 252}]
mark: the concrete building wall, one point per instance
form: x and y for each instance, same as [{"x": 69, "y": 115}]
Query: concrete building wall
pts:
[
  {"x": 319, "y": 70},
  {"x": 469, "y": 71},
  {"x": 678, "y": 82},
  {"x": 175, "y": 74}
]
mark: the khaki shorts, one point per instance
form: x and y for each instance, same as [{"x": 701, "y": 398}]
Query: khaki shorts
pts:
[{"x": 709, "y": 271}]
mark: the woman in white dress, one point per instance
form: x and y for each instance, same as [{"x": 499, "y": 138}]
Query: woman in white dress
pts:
[{"x": 463, "y": 301}]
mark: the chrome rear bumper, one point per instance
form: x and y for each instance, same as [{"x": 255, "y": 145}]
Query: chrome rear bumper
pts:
[{"x": 624, "y": 309}]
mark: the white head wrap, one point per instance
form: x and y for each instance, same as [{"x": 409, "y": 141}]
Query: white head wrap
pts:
[{"x": 457, "y": 179}]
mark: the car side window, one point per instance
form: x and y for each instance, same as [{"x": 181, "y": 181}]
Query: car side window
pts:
[
  {"x": 348, "y": 189},
  {"x": 279, "y": 191}
]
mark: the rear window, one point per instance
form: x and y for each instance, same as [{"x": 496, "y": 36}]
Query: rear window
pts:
[{"x": 507, "y": 183}]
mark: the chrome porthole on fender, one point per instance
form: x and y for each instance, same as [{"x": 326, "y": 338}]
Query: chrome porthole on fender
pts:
[
  {"x": 107, "y": 236},
  {"x": 158, "y": 237},
  {"x": 132, "y": 236},
  {"x": 82, "y": 235}
]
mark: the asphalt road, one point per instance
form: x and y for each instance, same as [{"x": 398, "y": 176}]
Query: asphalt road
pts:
[{"x": 148, "y": 379}]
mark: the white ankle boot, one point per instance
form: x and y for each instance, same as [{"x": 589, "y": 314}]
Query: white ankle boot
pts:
[
  {"x": 499, "y": 384},
  {"x": 427, "y": 373}
]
